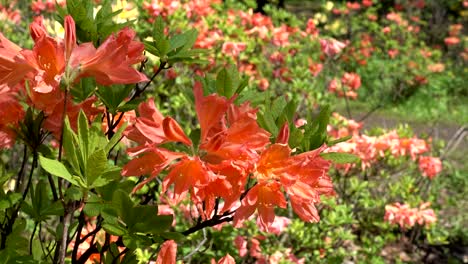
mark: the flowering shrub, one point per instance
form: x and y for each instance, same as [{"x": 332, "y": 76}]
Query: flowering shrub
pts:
[{"x": 166, "y": 139}]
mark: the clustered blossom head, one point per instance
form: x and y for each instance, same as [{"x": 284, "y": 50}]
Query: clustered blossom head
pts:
[
  {"x": 331, "y": 47},
  {"x": 406, "y": 217},
  {"x": 430, "y": 166},
  {"x": 370, "y": 148},
  {"x": 55, "y": 61},
  {"x": 350, "y": 82},
  {"x": 232, "y": 149}
]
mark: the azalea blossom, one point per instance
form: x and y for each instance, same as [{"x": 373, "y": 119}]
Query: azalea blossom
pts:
[
  {"x": 50, "y": 60},
  {"x": 232, "y": 148},
  {"x": 406, "y": 216},
  {"x": 331, "y": 47},
  {"x": 430, "y": 166}
]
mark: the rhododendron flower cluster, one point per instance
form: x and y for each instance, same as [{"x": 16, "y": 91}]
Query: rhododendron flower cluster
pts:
[
  {"x": 370, "y": 148},
  {"x": 406, "y": 216},
  {"x": 331, "y": 47},
  {"x": 430, "y": 166},
  {"x": 232, "y": 150},
  {"x": 52, "y": 62}
]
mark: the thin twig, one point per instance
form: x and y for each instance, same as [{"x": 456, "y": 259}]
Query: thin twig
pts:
[{"x": 197, "y": 248}]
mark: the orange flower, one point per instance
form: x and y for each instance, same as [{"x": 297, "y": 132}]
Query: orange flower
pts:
[
  {"x": 151, "y": 127},
  {"x": 263, "y": 197},
  {"x": 187, "y": 173},
  {"x": 13, "y": 66},
  {"x": 50, "y": 60},
  {"x": 225, "y": 260},
  {"x": 167, "y": 253},
  {"x": 111, "y": 63},
  {"x": 151, "y": 162},
  {"x": 430, "y": 166}
]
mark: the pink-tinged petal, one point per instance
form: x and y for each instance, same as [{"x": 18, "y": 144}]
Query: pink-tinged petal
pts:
[
  {"x": 241, "y": 245},
  {"x": 167, "y": 253},
  {"x": 13, "y": 66},
  {"x": 174, "y": 132},
  {"x": 186, "y": 174},
  {"x": 7, "y": 138},
  {"x": 210, "y": 110},
  {"x": 266, "y": 216},
  {"x": 227, "y": 260},
  {"x": 70, "y": 36},
  {"x": 111, "y": 63},
  {"x": 283, "y": 135},
  {"x": 305, "y": 210},
  {"x": 37, "y": 28},
  {"x": 148, "y": 110},
  {"x": 247, "y": 208}
]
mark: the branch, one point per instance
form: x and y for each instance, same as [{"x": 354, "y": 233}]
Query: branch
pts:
[{"x": 216, "y": 220}]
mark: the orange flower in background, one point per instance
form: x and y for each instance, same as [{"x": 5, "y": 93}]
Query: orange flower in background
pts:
[
  {"x": 430, "y": 166},
  {"x": 233, "y": 48},
  {"x": 406, "y": 216},
  {"x": 225, "y": 260},
  {"x": 351, "y": 80},
  {"x": 11, "y": 112},
  {"x": 451, "y": 41}
]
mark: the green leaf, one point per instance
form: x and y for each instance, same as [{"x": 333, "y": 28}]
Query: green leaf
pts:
[
  {"x": 158, "y": 28},
  {"x": 96, "y": 165},
  {"x": 56, "y": 168},
  {"x": 73, "y": 194},
  {"x": 114, "y": 229},
  {"x": 277, "y": 107},
  {"x": 191, "y": 38},
  {"x": 177, "y": 41},
  {"x": 339, "y": 157},
  {"x": 84, "y": 89},
  {"x": 267, "y": 122},
  {"x": 339, "y": 140},
  {"x": 114, "y": 96},
  {"x": 72, "y": 149},
  {"x": 83, "y": 132},
  {"x": 9, "y": 200},
  {"x": 134, "y": 241},
  {"x": 124, "y": 205},
  {"x": 223, "y": 82}
]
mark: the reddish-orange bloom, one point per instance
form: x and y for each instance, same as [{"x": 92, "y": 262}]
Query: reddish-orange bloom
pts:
[
  {"x": 430, "y": 166},
  {"x": 151, "y": 127},
  {"x": 11, "y": 112},
  {"x": 188, "y": 173},
  {"x": 263, "y": 197},
  {"x": 13, "y": 66},
  {"x": 225, "y": 260},
  {"x": 303, "y": 177},
  {"x": 111, "y": 63},
  {"x": 151, "y": 161},
  {"x": 50, "y": 60},
  {"x": 167, "y": 253}
]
